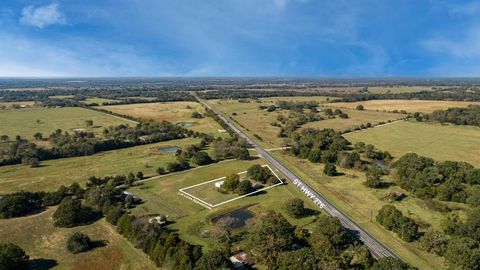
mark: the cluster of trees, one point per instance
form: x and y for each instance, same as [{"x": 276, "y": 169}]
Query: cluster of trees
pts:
[
  {"x": 166, "y": 249},
  {"x": 191, "y": 154},
  {"x": 337, "y": 112},
  {"x": 370, "y": 152},
  {"x": 293, "y": 121},
  {"x": 446, "y": 181},
  {"x": 64, "y": 144},
  {"x": 458, "y": 116},
  {"x": 22, "y": 203},
  {"x": 277, "y": 244},
  {"x": 232, "y": 183},
  {"x": 12, "y": 257},
  {"x": 261, "y": 174},
  {"x": 248, "y": 94},
  {"x": 458, "y": 241},
  {"x": 298, "y": 106},
  {"x": 230, "y": 148},
  {"x": 70, "y": 213},
  {"x": 392, "y": 219}
]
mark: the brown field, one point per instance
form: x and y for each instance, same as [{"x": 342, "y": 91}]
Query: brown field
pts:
[
  {"x": 45, "y": 244},
  {"x": 175, "y": 112},
  {"x": 426, "y": 106}
]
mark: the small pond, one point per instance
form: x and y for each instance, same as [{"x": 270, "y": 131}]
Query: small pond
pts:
[
  {"x": 169, "y": 149},
  {"x": 239, "y": 217},
  {"x": 184, "y": 124}
]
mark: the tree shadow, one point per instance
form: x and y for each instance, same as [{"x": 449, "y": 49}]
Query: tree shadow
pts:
[
  {"x": 42, "y": 264},
  {"x": 98, "y": 243}
]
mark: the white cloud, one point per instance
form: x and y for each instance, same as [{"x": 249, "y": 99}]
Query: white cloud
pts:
[
  {"x": 42, "y": 16},
  {"x": 466, "y": 47}
]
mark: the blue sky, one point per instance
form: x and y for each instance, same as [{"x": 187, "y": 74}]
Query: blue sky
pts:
[{"x": 239, "y": 38}]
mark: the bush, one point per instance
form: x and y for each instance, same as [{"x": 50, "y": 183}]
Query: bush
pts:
[
  {"x": 359, "y": 107},
  {"x": 295, "y": 207},
  {"x": 231, "y": 182},
  {"x": 78, "y": 242},
  {"x": 244, "y": 187},
  {"x": 12, "y": 257},
  {"x": 19, "y": 204},
  {"x": 330, "y": 169}
]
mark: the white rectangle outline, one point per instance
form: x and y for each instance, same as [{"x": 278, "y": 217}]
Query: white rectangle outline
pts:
[{"x": 205, "y": 204}]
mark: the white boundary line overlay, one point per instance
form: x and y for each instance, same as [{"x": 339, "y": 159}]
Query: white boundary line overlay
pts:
[{"x": 207, "y": 205}]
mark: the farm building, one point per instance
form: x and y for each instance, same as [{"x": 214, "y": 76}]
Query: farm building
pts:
[{"x": 241, "y": 260}]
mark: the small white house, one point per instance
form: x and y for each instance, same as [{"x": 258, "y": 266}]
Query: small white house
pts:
[{"x": 219, "y": 184}]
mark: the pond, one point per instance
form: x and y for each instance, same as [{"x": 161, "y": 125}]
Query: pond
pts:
[
  {"x": 238, "y": 218},
  {"x": 170, "y": 149},
  {"x": 184, "y": 124}
]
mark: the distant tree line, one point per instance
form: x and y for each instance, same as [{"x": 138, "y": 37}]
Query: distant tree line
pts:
[{"x": 458, "y": 116}]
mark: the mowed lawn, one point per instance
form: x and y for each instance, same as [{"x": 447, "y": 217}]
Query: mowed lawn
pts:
[
  {"x": 448, "y": 142},
  {"x": 54, "y": 173},
  {"x": 355, "y": 119},
  {"x": 161, "y": 196},
  {"x": 426, "y": 106},
  {"x": 175, "y": 112},
  {"x": 46, "y": 244},
  {"x": 26, "y": 122}
]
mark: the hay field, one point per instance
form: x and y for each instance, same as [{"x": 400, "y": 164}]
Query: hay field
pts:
[
  {"x": 54, "y": 173},
  {"x": 426, "y": 106},
  {"x": 175, "y": 112},
  {"x": 26, "y": 122},
  {"x": 45, "y": 244},
  {"x": 448, "y": 142}
]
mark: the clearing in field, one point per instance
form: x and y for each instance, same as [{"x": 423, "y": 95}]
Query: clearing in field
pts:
[
  {"x": 447, "y": 142},
  {"x": 426, "y": 106},
  {"x": 54, "y": 173},
  {"x": 26, "y": 122},
  {"x": 46, "y": 244},
  {"x": 207, "y": 194},
  {"x": 175, "y": 112},
  {"x": 160, "y": 197}
]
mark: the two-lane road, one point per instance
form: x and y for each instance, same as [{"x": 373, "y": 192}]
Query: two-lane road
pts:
[{"x": 376, "y": 247}]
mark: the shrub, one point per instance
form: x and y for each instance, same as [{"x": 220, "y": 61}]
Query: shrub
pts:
[
  {"x": 295, "y": 207},
  {"x": 70, "y": 213},
  {"x": 12, "y": 257},
  {"x": 244, "y": 187},
  {"x": 330, "y": 169},
  {"x": 231, "y": 182},
  {"x": 78, "y": 242}
]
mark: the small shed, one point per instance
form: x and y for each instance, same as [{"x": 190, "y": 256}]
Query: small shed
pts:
[
  {"x": 219, "y": 184},
  {"x": 241, "y": 260}
]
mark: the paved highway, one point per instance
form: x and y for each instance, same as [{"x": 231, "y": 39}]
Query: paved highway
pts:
[{"x": 377, "y": 249}]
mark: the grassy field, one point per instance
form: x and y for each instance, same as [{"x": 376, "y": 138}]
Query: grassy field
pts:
[
  {"x": 45, "y": 244},
  {"x": 448, "y": 142},
  {"x": 175, "y": 112},
  {"x": 355, "y": 119},
  {"x": 54, "y": 173},
  {"x": 161, "y": 197},
  {"x": 26, "y": 122},
  {"x": 426, "y": 106},
  {"x": 9, "y": 105},
  {"x": 362, "y": 204},
  {"x": 255, "y": 121},
  {"x": 99, "y": 101}
]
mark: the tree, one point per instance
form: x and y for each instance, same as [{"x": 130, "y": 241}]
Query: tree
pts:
[
  {"x": 244, "y": 187},
  {"x": 38, "y": 136},
  {"x": 4, "y": 138},
  {"x": 334, "y": 231},
  {"x": 330, "y": 169},
  {"x": 114, "y": 213},
  {"x": 139, "y": 175},
  {"x": 463, "y": 253},
  {"x": 12, "y": 257},
  {"x": 374, "y": 177},
  {"x": 294, "y": 207},
  {"x": 201, "y": 158},
  {"x": 196, "y": 115},
  {"x": 214, "y": 259},
  {"x": 70, "y": 213},
  {"x": 89, "y": 123},
  {"x": 390, "y": 263},
  {"x": 359, "y": 107},
  {"x": 78, "y": 242},
  {"x": 231, "y": 182},
  {"x": 434, "y": 242},
  {"x": 161, "y": 170},
  {"x": 303, "y": 258},
  {"x": 19, "y": 204}
]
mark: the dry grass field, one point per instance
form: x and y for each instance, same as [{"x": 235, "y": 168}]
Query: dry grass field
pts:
[
  {"x": 447, "y": 142},
  {"x": 426, "y": 106},
  {"x": 9, "y": 105},
  {"x": 175, "y": 112},
  {"x": 45, "y": 244}
]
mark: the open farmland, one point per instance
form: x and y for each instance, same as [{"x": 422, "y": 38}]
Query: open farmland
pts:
[
  {"x": 54, "y": 173},
  {"x": 447, "y": 142},
  {"x": 398, "y": 89},
  {"x": 175, "y": 112},
  {"x": 355, "y": 119},
  {"x": 426, "y": 106},
  {"x": 10, "y": 105},
  {"x": 45, "y": 244},
  {"x": 161, "y": 197},
  {"x": 26, "y": 122}
]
